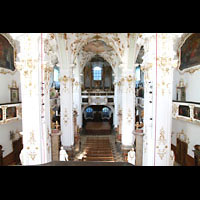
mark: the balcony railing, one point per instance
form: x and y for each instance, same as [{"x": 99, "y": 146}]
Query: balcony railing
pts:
[
  {"x": 98, "y": 100},
  {"x": 98, "y": 97},
  {"x": 187, "y": 111},
  {"x": 10, "y": 112}
]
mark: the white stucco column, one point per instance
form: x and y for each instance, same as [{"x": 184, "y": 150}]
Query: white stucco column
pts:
[
  {"x": 46, "y": 121},
  {"x": 158, "y": 62},
  {"x": 66, "y": 107},
  {"x": 66, "y": 96},
  {"x": 116, "y": 102},
  {"x": 35, "y": 147},
  {"x": 77, "y": 99},
  {"x": 128, "y": 108},
  {"x": 128, "y": 91}
]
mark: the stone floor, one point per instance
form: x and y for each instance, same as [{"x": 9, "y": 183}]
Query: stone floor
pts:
[{"x": 114, "y": 146}]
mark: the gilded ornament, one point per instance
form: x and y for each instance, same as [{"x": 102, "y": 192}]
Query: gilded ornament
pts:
[
  {"x": 32, "y": 154},
  {"x": 32, "y": 138},
  {"x": 65, "y": 117},
  {"x": 174, "y": 109},
  {"x": 162, "y": 146},
  {"x": 129, "y": 116},
  {"x": 161, "y": 153},
  {"x": 162, "y": 136},
  {"x": 5, "y": 71}
]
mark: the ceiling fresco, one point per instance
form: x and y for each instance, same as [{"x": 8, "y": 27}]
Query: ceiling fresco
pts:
[{"x": 97, "y": 46}]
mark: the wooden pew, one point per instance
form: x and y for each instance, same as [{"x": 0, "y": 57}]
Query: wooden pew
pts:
[{"x": 1, "y": 155}]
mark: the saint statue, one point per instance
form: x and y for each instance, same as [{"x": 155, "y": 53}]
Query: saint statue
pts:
[
  {"x": 21, "y": 156},
  {"x": 131, "y": 156},
  {"x": 63, "y": 155},
  {"x": 172, "y": 158}
]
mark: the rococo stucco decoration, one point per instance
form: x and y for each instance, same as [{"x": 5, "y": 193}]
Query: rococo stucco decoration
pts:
[{"x": 162, "y": 144}]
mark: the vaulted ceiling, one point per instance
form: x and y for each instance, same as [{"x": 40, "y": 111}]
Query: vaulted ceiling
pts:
[{"x": 100, "y": 48}]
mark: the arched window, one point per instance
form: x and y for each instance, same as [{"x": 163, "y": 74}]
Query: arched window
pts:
[
  {"x": 105, "y": 112},
  {"x": 137, "y": 73},
  {"x": 89, "y": 110},
  {"x": 89, "y": 113},
  {"x": 97, "y": 73},
  {"x": 56, "y": 74}
]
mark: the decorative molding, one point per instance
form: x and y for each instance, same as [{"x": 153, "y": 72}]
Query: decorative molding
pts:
[
  {"x": 164, "y": 87},
  {"x": 162, "y": 144},
  {"x": 65, "y": 118},
  {"x": 64, "y": 80},
  {"x": 129, "y": 116},
  {"x": 6, "y": 71}
]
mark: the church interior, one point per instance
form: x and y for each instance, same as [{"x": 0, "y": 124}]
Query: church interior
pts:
[{"x": 99, "y": 99}]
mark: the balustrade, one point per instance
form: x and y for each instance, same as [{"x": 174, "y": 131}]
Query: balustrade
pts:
[
  {"x": 187, "y": 111},
  {"x": 10, "y": 112}
]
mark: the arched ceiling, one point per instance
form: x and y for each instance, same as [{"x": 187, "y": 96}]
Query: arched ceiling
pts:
[{"x": 98, "y": 46}]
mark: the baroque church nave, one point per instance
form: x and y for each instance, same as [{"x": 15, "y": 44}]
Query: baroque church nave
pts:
[{"x": 98, "y": 99}]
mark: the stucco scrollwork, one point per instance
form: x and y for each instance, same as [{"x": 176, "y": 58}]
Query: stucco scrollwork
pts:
[
  {"x": 31, "y": 146},
  {"x": 162, "y": 144},
  {"x": 129, "y": 116},
  {"x": 64, "y": 80},
  {"x": 65, "y": 118}
]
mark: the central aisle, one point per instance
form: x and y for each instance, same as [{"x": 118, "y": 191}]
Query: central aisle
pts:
[{"x": 99, "y": 148}]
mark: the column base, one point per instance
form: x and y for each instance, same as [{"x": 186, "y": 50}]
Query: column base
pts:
[
  {"x": 70, "y": 152},
  {"x": 68, "y": 148},
  {"x": 127, "y": 147}
]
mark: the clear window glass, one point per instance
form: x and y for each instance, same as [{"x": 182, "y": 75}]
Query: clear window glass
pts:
[
  {"x": 97, "y": 71},
  {"x": 56, "y": 74}
]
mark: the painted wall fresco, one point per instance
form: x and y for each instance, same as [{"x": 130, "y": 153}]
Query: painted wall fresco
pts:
[
  {"x": 190, "y": 52},
  {"x": 6, "y": 54}
]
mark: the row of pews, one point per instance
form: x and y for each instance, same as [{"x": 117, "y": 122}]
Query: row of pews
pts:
[
  {"x": 98, "y": 149},
  {"x": 1, "y": 155}
]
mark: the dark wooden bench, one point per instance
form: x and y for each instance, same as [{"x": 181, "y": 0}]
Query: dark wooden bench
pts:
[{"x": 1, "y": 155}]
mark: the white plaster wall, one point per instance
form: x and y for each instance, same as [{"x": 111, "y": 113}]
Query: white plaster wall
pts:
[
  {"x": 5, "y": 80},
  {"x": 191, "y": 130},
  {"x": 192, "y": 82},
  {"x": 5, "y": 135}
]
